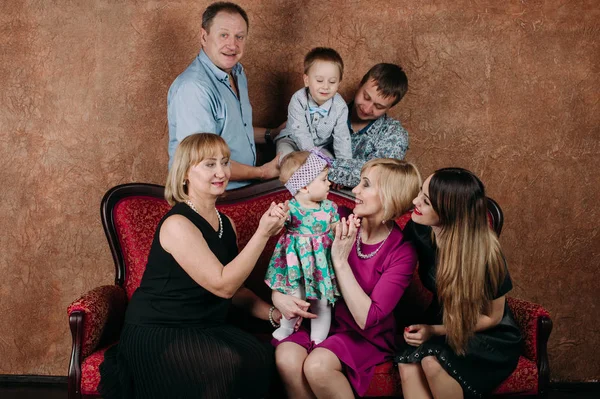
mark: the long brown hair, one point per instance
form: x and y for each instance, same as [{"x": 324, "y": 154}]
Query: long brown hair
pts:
[{"x": 470, "y": 264}]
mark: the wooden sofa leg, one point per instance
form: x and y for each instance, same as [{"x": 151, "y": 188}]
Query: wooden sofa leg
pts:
[
  {"x": 544, "y": 330},
  {"x": 74, "y": 376}
]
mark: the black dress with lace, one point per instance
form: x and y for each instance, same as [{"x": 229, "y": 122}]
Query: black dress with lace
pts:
[
  {"x": 491, "y": 355},
  {"x": 176, "y": 342}
]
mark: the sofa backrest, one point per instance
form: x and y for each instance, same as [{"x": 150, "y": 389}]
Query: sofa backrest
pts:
[{"x": 131, "y": 212}]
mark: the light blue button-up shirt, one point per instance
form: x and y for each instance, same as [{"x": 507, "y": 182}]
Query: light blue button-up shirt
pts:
[{"x": 201, "y": 100}]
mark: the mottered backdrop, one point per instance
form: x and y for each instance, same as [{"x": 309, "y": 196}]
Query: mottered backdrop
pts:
[{"x": 507, "y": 89}]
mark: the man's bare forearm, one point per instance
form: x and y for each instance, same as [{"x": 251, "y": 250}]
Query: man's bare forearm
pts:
[
  {"x": 240, "y": 171},
  {"x": 259, "y": 135}
]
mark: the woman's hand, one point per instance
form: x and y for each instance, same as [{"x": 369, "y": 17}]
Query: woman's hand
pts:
[
  {"x": 345, "y": 235},
  {"x": 290, "y": 306},
  {"x": 273, "y": 219},
  {"x": 277, "y": 316},
  {"x": 418, "y": 334},
  {"x": 280, "y": 210}
]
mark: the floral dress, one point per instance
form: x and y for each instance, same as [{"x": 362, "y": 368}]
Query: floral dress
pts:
[{"x": 302, "y": 255}]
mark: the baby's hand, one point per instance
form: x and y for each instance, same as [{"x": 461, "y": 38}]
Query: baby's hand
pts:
[
  {"x": 280, "y": 210},
  {"x": 353, "y": 219}
]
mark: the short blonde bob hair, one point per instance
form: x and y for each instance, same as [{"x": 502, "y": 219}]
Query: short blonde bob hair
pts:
[
  {"x": 399, "y": 183},
  {"x": 190, "y": 152}
]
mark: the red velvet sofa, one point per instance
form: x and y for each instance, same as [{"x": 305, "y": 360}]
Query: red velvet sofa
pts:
[{"x": 130, "y": 214}]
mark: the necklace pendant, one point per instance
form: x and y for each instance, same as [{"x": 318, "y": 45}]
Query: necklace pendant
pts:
[
  {"x": 372, "y": 254},
  {"x": 191, "y": 205}
]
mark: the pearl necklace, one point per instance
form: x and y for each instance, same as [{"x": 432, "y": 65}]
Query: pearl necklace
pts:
[
  {"x": 369, "y": 256},
  {"x": 191, "y": 205}
]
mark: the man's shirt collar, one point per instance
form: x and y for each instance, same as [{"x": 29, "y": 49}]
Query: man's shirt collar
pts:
[
  {"x": 364, "y": 129},
  {"x": 311, "y": 102}
]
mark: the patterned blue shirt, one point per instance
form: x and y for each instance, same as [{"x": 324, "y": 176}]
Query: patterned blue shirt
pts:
[
  {"x": 383, "y": 138},
  {"x": 201, "y": 100}
]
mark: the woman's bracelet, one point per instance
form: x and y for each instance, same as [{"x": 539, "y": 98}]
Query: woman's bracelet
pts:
[{"x": 271, "y": 310}]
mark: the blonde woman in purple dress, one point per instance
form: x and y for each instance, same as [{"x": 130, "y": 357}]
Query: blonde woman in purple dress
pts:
[{"x": 373, "y": 264}]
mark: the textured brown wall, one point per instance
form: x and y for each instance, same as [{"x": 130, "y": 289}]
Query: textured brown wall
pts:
[{"x": 507, "y": 89}]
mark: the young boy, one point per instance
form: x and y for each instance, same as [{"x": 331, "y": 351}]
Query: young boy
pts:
[{"x": 317, "y": 114}]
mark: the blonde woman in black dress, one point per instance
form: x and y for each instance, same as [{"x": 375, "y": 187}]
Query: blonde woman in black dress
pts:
[
  {"x": 468, "y": 342},
  {"x": 176, "y": 342}
]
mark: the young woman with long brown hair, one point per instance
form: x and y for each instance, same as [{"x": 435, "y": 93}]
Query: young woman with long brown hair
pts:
[{"x": 469, "y": 342}]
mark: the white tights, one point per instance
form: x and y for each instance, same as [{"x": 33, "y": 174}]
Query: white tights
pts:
[{"x": 319, "y": 327}]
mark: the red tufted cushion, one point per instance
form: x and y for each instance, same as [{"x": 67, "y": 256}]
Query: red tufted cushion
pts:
[
  {"x": 386, "y": 381},
  {"x": 100, "y": 305},
  {"x": 527, "y": 315},
  {"x": 136, "y": 219},
  {"x": 90, "y": 372},
  {"x": 524, "y": 380}
]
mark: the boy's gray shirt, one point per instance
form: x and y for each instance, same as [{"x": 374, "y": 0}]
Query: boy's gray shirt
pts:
[{"x": 314, "y": 130}]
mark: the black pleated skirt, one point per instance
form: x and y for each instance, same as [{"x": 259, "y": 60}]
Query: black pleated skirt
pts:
[{"x": 164, "y": 362}]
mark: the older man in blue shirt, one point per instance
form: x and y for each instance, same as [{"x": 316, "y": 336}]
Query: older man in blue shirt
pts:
[{"x": 211, "y": 95}]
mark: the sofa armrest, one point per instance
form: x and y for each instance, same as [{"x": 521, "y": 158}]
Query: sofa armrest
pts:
[
  {"x": 97, "y": 316},
  {"x": 536, "y": 325},
  {"x": 528, "y": 316}
]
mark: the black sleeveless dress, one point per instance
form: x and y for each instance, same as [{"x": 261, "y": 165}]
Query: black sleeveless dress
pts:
[
  {"x": 491, "y": 355},
  {"x": 175, "y": 342}
]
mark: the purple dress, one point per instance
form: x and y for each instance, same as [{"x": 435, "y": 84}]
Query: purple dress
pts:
[{"x": 384, "y": 277}]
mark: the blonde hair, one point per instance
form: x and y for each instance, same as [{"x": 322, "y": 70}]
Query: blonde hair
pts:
[
  {"x": 470, "y": 264},
  {"x": 190, "y": 152},
  {"x": 399, "y": 183}
]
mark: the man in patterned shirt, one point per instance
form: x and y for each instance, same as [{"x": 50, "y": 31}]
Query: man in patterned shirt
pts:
[{"x": 373, "y": 134}]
